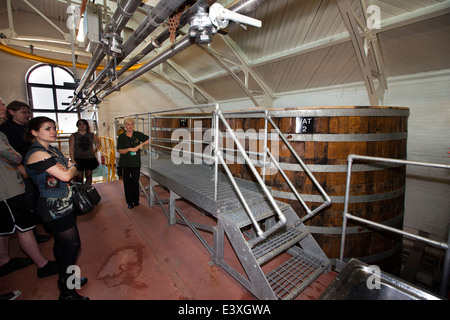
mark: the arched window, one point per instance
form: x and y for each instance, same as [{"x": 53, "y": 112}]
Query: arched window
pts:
[{"x": 49, "y": 88}]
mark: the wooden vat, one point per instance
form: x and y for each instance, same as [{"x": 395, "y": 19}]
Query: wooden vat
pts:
[{"x": 323, "y": 137}]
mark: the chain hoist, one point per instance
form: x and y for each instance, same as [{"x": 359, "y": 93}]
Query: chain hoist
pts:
[{"x": 174, "y": 23}]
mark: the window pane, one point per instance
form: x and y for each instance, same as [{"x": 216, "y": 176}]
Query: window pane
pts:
[
  {"x": 67, "y": 122},
  {"x": 41, "y": 75},
  {"x": 50, "y": 115},
  {"x": 42, "y": 98},
  {"x": 62, "y": 76},
  {"x": 62, "y": 97}
]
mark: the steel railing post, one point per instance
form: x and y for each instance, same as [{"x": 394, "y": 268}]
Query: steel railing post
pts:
[
  {"x": 344, "y": 214},
  {"x": 216, "y": 149},
  {"x": 446, "y": 270},
  {"x": 265, "y": 150}
]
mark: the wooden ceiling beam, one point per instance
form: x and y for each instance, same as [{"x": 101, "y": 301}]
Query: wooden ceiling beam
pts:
[{"x": 358, "y": 44}]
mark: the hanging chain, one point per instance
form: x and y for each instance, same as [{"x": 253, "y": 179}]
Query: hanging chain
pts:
[{"x": 174, "y": 23}]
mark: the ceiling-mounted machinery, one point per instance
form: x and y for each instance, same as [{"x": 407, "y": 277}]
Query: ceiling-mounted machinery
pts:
[
  {"x": 220, "y": 17},
  {"x": 203, "y": 25},
  {"x": 92, "y": 26},
  {"x": 119, "y": 19},
  {"x": 109, "y": 39},
  {"x": 204, "y": 22},
  {"x": 112, "y": 44}
]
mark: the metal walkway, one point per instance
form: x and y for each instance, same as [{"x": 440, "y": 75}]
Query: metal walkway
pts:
[{"x": 195, "y": 183}]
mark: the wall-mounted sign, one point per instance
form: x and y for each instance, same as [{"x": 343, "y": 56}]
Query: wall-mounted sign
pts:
[
  {"x": 304, "y": 125},
  {"x": 183, "y": 122}
]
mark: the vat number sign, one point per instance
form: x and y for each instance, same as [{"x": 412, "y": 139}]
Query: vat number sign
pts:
[{"x": 304, "y": 125}]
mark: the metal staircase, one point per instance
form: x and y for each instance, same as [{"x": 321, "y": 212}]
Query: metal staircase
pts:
[
  {"x": 295, "y": 257},
  {"x": 278, "y": 256},
  {"x": 293, "y": 272}
]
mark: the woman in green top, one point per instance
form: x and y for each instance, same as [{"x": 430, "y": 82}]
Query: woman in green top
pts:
[{"x": 129, "y": 144}]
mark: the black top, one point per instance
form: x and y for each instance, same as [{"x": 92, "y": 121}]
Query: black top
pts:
[
  {"x": 15, "y": 134},
  {"x": 131, "y": 159}
]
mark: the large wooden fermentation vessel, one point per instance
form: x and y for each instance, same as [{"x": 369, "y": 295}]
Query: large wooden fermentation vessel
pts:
[{"x": 323, "y": 137}]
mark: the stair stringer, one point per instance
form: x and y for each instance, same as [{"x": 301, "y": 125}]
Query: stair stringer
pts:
[
  {"x": 308, "y": 244},
  {"x": 256, "y": 281}
]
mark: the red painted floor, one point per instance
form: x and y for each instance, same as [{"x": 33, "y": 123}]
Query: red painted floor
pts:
[{"x": 133, "y": 254}]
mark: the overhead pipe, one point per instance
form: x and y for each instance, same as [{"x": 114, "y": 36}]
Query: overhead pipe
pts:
[
  {"x": 177, "y": 47},
  {"x": 118, "y": 21},
  {"x": 158, "y": 15},
  {"x": 245, "y": 6},
  {"x": 242, "y": 6},
  {"x": 202, "y": 27},
  {"x": 159, "y": 40}
]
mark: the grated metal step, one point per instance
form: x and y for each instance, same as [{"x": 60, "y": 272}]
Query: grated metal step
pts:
[
  {"x": 260, "y": 207},
  {"x": 229, "y": 201},
  {"x": 277, "y": 244},
  {"x": 295, "y": 275}
]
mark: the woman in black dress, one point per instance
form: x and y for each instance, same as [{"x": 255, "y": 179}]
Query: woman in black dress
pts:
[{"x": 83, "y": 145}]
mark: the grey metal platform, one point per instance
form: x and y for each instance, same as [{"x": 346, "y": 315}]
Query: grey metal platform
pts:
[{"x": 195, "y": 183}]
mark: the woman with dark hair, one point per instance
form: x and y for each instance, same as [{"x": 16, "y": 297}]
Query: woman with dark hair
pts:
[
  {"x": 52, "y": 172},
  {"x": 82, "y": 150}
]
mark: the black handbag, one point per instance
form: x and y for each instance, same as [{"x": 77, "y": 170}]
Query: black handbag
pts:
[{"x": 85, "y": 198}]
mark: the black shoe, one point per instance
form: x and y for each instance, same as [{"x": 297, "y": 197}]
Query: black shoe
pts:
[
  {"x": 136, "y": 204},
  {"x": 130, "y": 206},
  {"x": 70, "y": 294},
  {"x": 48, "y": 270},
  {"x": 14, "y": 264}
]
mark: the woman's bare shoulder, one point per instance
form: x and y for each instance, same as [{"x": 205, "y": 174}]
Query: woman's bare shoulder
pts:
[{"x": 38, "y": 156}]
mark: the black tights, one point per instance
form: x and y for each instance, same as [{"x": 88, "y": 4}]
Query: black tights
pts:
[{"x": 66, "y": 248}]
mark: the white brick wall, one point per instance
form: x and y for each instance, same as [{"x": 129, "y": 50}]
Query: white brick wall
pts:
[{"x": 427, "y": 190}]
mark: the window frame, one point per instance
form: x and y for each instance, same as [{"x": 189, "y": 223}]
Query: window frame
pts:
[{"x": 53, "y": 86}]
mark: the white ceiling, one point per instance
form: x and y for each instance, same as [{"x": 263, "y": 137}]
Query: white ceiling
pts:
[{"x": 302, "y": 44}]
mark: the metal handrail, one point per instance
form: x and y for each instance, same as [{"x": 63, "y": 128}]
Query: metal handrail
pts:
[
  {"x": 282, "y": 222},
  {"x": 346, "y": 215},
  {"x": 310, "y": 213},
  {"x": 268, "y": 119}
]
